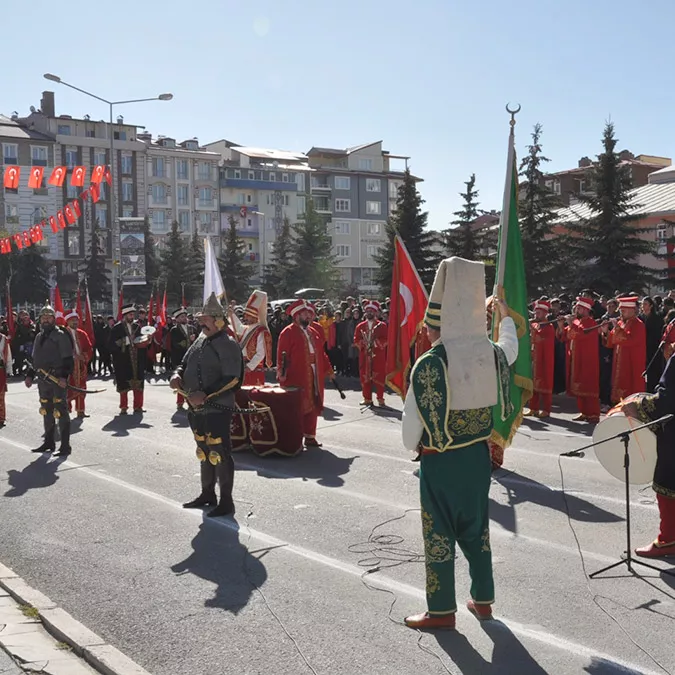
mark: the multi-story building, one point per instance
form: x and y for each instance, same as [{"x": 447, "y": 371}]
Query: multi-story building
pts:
[
  {"x": 572, "y": 182},
  {"x": 182, "y": 186},
  {"x": 24, "y": 207},
  {"x": 86, "y": 142}
]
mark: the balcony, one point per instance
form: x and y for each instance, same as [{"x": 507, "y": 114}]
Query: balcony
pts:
[
  {"x": 247, "y": 184},
  {"x": 206, "y": 203},
  {"x": 322, "y": 205},
  {"x": 319, "y": 185}
]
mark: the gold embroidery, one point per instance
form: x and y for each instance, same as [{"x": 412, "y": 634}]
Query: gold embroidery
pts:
[
  {"x": 430, "y": 400},
  {"x": 215, "y": 458},
  {"x": 469, "y": 422},
  {"x": 210, "y": 440},
  {"x": 663, "y": 491},
  {"x": 485, "y": 548},
  {"x": 433, "y": 584},
  {"x": 201, "y": 455},
  {"x": 43, "y": 411},
  {"x": 427, "y": 523},
  {"x": 437, "y": 547},
  {"x": 199, "y": 438}
]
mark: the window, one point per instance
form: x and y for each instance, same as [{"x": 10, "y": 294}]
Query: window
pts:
[
  {"x": 184, "y": 221},
  {"x": 342, "y": 182},
  {"x": 103, "y": 191},
  {"x": 182, "y": 195},
  {"x": 270, "y": 223},
  {"x": 343, "y": 251},
  {"x": 374, "y": 208},
  {"x": 159, "y": 220},
  {"x": 393, "y": 189},
  {"x": 10, "y": 153},
  {"x": 39, "y": 214},
  {"x": 301, "y": 182},
  {"x": 100, "y": 157},
  {"x": 71, "y": 158},
  {"x": 159, "y": 193},
  {"x": 237, "y": 173},
  {"x": 241, "y": 198},
  {"x": 204, "y": 170},
  {"x": 301, "y": 205},
  {"x": 257, "y": 175},
  {"x": 158, "y": 167},
  {"x": 38, "y": 154},
  {"x": 249, "y": 223},
  {"x": 205, "y": 196},
  {"x": 12, "y": 213},
  {"x": 63, "y": 129},
  {"x": 90, "y": 133},
  {"x": 342, "y": 227},
  {"x": 373, "y": 185},
  {"x": 127, "y": 165},
  {"x": 366, "y": 164},
  {"x": 273, "y": 176},
  {"x": 250, "y": 247},
  {"x": 284, "y": 178},
  {"x": 343, "y": 205},
  {"x": 286, "y": 200},
  {"x": 73, "y": 244},
  {"x": 206, "y": 224},
  {"x": 372, "y": 251},
  {"x": 101, "y": 215},
  {"x": 127, "y": 191},
  {"x": 120, "y": 135},
  {"x": 249, "y": 199},
  {"x": 71, "y": 191},
  {"x": 127, "y": 212},
  {"x": 374, "y": 229},
  {"x": 182, "y": 169},
  {"x": 661, "y": 232}
]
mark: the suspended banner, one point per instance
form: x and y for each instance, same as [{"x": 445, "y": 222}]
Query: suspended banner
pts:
[{"x": 132, "y": 252}]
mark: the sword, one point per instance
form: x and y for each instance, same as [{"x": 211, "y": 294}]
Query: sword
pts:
[
  {"x": 55, "y": 380},
  {"x": 339, "y": 388}
]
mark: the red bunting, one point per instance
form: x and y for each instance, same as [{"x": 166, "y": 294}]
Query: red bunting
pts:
[
  {"x": 5, "y": 245},
  {"x": 17, "y": 240},
  {"x": 12, "y": 174},
  {"x": 108, "y": 177},
  {"x": 26, "y": 239},
  {"x": 77, "y": 179},
  {"x": 36, "y": 175},
  {"x": 76, "y": 208},
  {"x": 97, "y": 173},
  {"x": 58, "y": 174},
  {"x": 70, "y": 216},
  {"x": 61, "y": 219},
  {"x": 53, "y": 225},
  {"x": 35, "y": 234},
  {"x": 95, "y": 192}
]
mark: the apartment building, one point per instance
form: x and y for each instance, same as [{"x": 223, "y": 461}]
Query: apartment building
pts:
[
  {"x": 182, "y": 186},
  {"x": 86, "y": 142},
  {"x": 24, "y": 207}
]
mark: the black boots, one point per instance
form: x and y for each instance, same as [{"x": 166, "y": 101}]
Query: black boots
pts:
[
  {"x": 225, "y": 472},
  {"x": 208, "y": 494},
  {"x": 47, "y": 446},
  {"x": 64, "y": 432}
]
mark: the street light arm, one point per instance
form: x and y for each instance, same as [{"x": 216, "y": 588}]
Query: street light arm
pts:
[
  {"x": 136, "y": 100},
  {"x": 88, "y": 93}
]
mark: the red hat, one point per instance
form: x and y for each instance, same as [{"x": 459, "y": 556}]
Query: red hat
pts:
[
  {"x": 372, "y": 305},
  {"x": 71, "y": 315},
  {"x": 298, "y": 306},
  {"x": 628, "y": 302},
  {"x": 585, "y": 303},
  {"x": 542, "y": 304}
]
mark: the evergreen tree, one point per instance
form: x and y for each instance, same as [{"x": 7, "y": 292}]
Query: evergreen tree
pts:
[
  {"x": 195, "y": 269},
  {"x": 152, "y": 264},
  {"x": 173, "y": 265},
  {"x": 30, "y": 275},
  {"x": 234, "y": 269},
  {"x": 95, "y": 270},
  {"x": 409, "y": 222},
  {"x": 606, "y": 245},
  {"x": 542, "y": 253},
  {"x": 313, "y": 263},
  {"x": 278, "y": 281},
  {"x": 463, "y": 240}
]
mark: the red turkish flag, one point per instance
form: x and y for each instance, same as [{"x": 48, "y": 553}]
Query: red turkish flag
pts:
[
  {"x": 58, "y": 307},
  {"x": 6, "y": 247},
  {"x": 36, "y": 175},
  {"x": 17, "y": 240},
  {"x": 35, "y": 234},
  {"x": 77, "y": 179},
  {"x": 58, "y": 174},
  {"x": 70, "y": 216},
  {"x": 108, "y": 177},
  {"x": 97, "y": 173},
  {"x": 408, "y": 303},
  {"x": 61, "y": 219},
  {"x": 27, "y": 241},
  {"x": 76, "y": 208},
  {"x": 12, "y": 174},
  {"x": 53, "y": 225},
  {"x": 95, "y": 192}
]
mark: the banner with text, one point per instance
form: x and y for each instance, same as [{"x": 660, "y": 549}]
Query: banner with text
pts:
[{"x": 132, "y": 254}]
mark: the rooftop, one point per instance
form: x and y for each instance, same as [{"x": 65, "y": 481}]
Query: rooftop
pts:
[
  {"x": 9, "y": 128},
  {"x": 340, "y": 152},
  {"x": 266, "y": 153}
]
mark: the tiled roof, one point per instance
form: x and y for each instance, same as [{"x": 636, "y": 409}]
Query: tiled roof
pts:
[{"x": 10, "y": 129}]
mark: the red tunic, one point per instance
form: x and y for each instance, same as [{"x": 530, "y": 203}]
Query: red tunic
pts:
[
  {"x": 82, "y": 353},
  {"x": 372, "y": 346},
  {"x": 294, "y": 344},
  {"x": 543, "y": 352},
  {"x": 584, "y": 358},
  {"x": 249, "y": 345},
  {"x": 629, "y": 340}
]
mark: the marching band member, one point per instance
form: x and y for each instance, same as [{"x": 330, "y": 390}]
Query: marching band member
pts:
[
  {"x": 82, "y": 353},
  {"x": 370, "y": 338},
  {"x": 254, "y": 338},
  {"x": 629, "y": 340},
  {"x": 584, "y": 361},
  {"x": 181, "y": 336},
  {"x": 543, "y": 357},
  {"x": 302, "y": 362},
  {"x": 5, "y": 372}
]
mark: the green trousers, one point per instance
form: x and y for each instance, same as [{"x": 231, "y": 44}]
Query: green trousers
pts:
[{"x": 454, "y": 494}]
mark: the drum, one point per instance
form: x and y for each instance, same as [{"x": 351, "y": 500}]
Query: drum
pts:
[{"x": 641, "y": 447}]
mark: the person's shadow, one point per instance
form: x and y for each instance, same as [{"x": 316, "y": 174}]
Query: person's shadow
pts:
[
  {"x": 40, "y": 473},
  {"x": 600, "y": 666},
  {"x": 221, "y": 559},
  {"x": 122, "y": 424},
  {"x": 331, "y": 415},
  {"x": 509, "y": 656},
  {"x": 180, "y": 419}
]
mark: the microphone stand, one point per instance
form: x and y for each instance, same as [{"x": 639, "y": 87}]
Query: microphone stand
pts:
[
  {"x": 624, "y": 437},
  {"x": 657, "y": 353}
]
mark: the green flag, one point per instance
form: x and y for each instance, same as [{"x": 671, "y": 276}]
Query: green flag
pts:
[{"x": 510, "y": 285}]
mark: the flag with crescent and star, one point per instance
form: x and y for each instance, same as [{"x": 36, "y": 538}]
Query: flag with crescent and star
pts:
[
  {"x": 407, "y": 302},
  {"x": 11, "y": 180},
  {"x": 35, "y": 178}
]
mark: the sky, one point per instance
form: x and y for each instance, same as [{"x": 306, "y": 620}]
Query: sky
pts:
[{"x": 429, "y": 78}]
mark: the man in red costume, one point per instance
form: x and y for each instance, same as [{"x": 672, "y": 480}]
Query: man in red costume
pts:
[
  {"x": 82, "y": 353},
  {"x": 629, "y": 340},
  {"x": 255, "y": 339},
  {"x": 543, "y": 352},
  {"x": 584, "y": 361},
  {"x": 370, "y": 338},
  {"x": 303, "y": 363}
]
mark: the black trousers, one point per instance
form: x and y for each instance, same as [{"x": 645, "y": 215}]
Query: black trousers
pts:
[{"x": 53, "y": 407}]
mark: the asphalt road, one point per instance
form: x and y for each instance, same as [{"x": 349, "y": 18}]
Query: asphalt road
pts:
[{"x": 280, "y": 590}]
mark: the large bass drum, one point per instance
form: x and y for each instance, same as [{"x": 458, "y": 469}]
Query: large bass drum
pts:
[{"x": 641, "y": 447}]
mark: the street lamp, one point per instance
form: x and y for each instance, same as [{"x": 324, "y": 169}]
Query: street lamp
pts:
[{"x": 113, "y": 202}]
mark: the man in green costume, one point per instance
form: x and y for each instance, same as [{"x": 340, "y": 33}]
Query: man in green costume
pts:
[{"x": 448, "y": 418}]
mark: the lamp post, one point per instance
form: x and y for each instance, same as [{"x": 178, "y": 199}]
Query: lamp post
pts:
[{"x": 113, "y": 201}]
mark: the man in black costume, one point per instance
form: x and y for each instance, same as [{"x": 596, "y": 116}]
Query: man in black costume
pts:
[{"x": 181, "y": 336}]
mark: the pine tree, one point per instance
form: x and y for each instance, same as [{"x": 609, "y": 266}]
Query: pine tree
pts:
[
  {"x": 606, "y": 246},
  {"x": 463, "y": 240},
  {"x": 195, "y": 269},
  {"x": 30, "y": 274},
  {"x": 172, "y": 264},
  {"x": 313, "y": 263},
  {"x": 542, "y": 252},
  {"x": 278, "y": 275},
  {"x": 95, "y": 270},
  {"x": 152, "y": 265},
  {"x": 409, "y": 222},
  {"x": 234, "y": 269}
]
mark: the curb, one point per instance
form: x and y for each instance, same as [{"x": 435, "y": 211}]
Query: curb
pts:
[{"x": 101, "y": 656}]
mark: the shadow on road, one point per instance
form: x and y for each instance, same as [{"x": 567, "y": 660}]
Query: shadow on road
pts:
[
  {"x": 180, "y": 419},
  {"x": 599, "y": 666},
  {"x": 509, "y": 656},
  {"x": 220, "y": 558},
  {"x": 522, "y": 490},
  {"x": 580, "y": 428},
  {"x": 40, "y": 473},
  {"x": 122, "y": 424},
  {"x": 331, "y": 415}
]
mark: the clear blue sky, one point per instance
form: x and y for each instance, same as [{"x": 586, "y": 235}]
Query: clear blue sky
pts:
[{"x": 430, "y": 78}]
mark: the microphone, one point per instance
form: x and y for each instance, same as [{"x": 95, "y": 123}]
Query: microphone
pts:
[{"x": 573, "y": 453}]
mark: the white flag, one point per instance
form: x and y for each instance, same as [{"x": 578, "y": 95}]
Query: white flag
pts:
[{"x": 213, "y": 282}]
